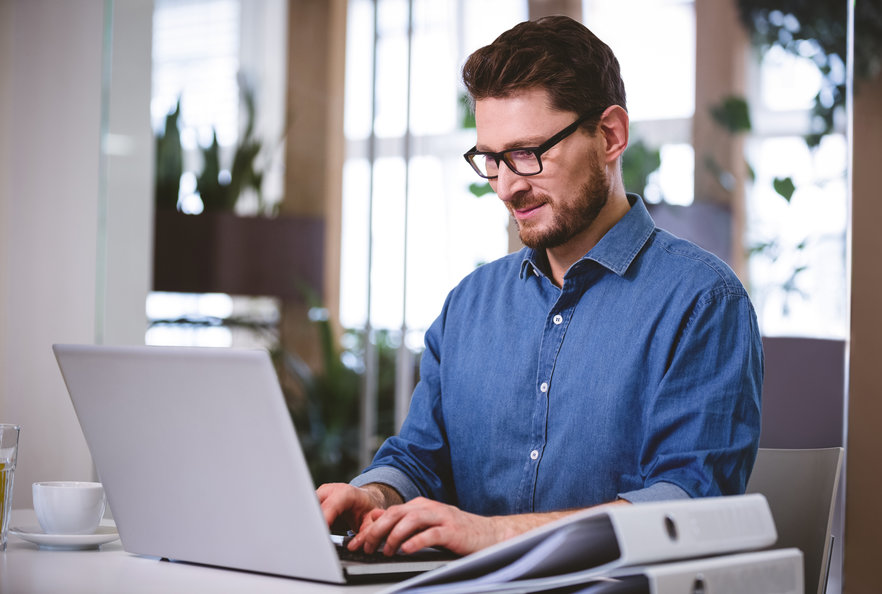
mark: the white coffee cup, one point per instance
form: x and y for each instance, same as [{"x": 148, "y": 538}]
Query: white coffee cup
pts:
[{"x": 69, "y": 507}]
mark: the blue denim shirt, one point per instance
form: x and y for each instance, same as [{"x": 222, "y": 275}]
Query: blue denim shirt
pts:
[{"x": 640, "y": 378}]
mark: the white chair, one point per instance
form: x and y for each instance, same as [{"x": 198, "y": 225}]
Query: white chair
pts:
[{"x": 801, "y": 486}]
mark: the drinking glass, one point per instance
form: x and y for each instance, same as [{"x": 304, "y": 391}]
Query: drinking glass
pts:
[{"x": 8, "y": 453}]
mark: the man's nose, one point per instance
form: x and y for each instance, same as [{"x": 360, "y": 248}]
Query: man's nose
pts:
[{"x": 508, "y": 183}]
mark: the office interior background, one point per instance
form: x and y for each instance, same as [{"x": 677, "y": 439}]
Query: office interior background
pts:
[{"x": 357, "y": 212}]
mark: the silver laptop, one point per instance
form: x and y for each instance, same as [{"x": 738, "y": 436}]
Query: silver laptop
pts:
[{"x": 201, "y": 463}]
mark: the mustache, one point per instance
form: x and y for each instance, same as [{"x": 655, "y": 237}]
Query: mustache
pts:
[{"x": 527, "y": 200}]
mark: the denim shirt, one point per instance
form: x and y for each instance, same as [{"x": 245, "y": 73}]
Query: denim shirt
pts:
[{"x": 639, "y": 378}]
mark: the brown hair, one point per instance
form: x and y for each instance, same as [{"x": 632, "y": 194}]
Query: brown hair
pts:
[{"x": 556, "y": 53}]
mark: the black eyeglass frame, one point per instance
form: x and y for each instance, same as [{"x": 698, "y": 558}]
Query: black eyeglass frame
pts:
[{"x": 536, "y": 150}]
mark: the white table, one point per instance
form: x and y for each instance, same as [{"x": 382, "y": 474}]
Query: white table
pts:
[{"x": 25, "y": 567}]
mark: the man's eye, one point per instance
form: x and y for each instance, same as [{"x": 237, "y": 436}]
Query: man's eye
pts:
[{"x": 521, "y": 155}]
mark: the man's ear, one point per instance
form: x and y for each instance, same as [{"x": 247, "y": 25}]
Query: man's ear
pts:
[{"x": 614, "y": 125}]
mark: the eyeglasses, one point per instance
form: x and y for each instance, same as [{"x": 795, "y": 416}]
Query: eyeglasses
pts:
[{"x": 522, "y": 161}]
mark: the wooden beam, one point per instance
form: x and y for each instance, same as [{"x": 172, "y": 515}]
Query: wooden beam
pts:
[
  {"x": 721, "y": 52},
  {"x": 315, "y": 146},
  {"x": 863, "y": 524}
]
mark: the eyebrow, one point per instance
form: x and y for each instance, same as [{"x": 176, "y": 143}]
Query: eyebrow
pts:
[{"x": 531, "y": 141}]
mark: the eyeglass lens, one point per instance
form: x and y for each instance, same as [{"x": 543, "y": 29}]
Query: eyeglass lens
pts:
[{"x": 521, "y": 161}]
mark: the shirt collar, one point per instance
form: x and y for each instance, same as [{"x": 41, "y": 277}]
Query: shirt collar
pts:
[{"x": 615, "y": 250}]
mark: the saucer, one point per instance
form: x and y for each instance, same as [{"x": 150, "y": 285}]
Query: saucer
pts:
[{"x": 69, "y": 542}]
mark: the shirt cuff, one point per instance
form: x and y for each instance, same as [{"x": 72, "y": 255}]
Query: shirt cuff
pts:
[
  {"x": 660, "y": 491},
  {"x": 388, "y": 476}
]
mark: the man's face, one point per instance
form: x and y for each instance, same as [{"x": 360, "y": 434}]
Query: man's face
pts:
[{"x": 560, "y": 203}]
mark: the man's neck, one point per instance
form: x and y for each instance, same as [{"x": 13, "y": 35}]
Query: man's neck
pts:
[{"x": 560, "y": 258}]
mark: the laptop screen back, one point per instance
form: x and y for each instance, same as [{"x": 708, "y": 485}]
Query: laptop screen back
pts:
[{"x": 199, "y": 458}]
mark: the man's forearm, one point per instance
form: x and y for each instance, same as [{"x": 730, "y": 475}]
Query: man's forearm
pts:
[
  {"x": 511, "y": 526},
  {"x": 385, "y": 495},
  {"x": 429, "y": 523}
]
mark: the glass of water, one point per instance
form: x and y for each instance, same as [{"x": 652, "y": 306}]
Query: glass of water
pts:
[{"x": 8, "y": 453}]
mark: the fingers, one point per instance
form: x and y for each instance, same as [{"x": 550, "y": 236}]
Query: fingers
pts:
[
  {"x": 396, "y": 525},
  {"x": 414, "y": 525},
  {"x": 376, "y": 526},
  {"x": 410, "y": 527},
  {"x": 404, "y": 524},
  {"x": 333, "y": 501},
  {"x": 343, "y": 501},
  {"x": 431, "y": 537}
]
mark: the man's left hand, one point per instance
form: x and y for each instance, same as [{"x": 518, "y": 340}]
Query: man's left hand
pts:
[{"x": 422, "y": 523}]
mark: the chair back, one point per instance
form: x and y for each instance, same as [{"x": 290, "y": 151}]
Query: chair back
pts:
[{"x": 801, "y": 487}]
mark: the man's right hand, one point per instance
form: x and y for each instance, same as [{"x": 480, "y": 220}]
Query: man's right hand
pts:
[{"x": 352, "y": 505}]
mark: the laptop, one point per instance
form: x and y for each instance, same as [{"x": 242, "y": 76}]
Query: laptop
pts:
[{"x": 201, "y": 463}]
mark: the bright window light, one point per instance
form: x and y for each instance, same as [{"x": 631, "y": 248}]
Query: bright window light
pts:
[{"x": 415, "y": 259}]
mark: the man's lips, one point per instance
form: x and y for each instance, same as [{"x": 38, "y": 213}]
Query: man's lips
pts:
[{"x": 525, "y": 212}]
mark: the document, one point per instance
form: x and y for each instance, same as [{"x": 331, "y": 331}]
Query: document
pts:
[
  {"x": 778, "y": 571},
  {"x": 589, "y": 546}
]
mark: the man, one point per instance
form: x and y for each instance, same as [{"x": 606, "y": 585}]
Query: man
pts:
[{"x": 606, "y": 362}]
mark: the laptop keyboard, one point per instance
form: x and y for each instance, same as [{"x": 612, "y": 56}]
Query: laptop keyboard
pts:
[{"x": 378, "y": 557}]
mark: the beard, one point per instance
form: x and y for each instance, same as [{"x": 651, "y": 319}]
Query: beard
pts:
[{"x": 569, "y": 217}]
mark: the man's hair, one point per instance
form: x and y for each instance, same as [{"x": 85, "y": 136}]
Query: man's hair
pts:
[{"x": 555, "y": 53}]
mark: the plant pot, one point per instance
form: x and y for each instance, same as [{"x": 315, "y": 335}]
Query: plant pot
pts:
[{"x": 225, "y": 253}]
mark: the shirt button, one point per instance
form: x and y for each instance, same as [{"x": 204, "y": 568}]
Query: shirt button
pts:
[
  {"x": 544, "y": 387},
  {"x": 534, "y": 454},
  {"x": 557, "y": 319}
]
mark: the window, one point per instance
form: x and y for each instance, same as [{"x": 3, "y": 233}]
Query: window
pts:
[
  {"x": 202, "y": 50},
  {"x": 797, "y": 262},
  {"x": 656, "y": 54},
  {"x": 196, "y": 60},
  {"x": 411, "y": 228}
]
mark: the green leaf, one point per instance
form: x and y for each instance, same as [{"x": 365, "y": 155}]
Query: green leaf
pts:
[
  {"x": 733, "y": 114},
  {"x": 761, "y": 247},
  {"x": 784, "y": 186},
  {"x": 169, "y": 162},
  {"x": 480, "y": 189},
  {"x": 467, "y": 116},
  {"x": 813, "y": 140},
  {"x": 214, "y": 194},
  {"x": 751, "y": 174},
  {"x": 638, "y": 163},
  {"x": 722, "y": 177}
]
